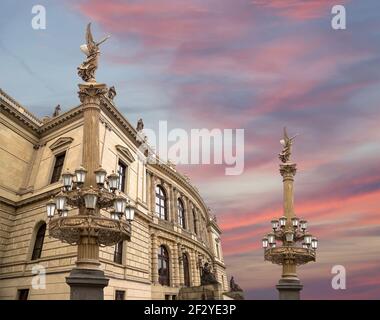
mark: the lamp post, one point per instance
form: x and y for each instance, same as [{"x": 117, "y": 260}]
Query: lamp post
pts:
[
  {"x": 89, "y": 191},
  {"x": 289, "y": 244}
]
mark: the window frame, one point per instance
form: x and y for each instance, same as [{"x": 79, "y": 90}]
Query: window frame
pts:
[
  {"x": 181, "y": 215},
  {"x": 161, "y": 202},
  {"x": 118, "y": 253},
  {"x": 39, "y": 240},
  {"x": 122, "y": 292},
  {"x": 122, "y": 177},
  {"x": 55, "y": 175},
  {"x": 22, "y": 291},
  {"x": 163, "y": 259}
]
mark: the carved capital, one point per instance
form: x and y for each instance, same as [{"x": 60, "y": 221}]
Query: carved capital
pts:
[
  {"x": 92, "y": 93},
  {"x": 288, "y": 170}
]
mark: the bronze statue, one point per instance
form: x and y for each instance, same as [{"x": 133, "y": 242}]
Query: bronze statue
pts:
[
  {"x": 57, "y": 111},
  {"x": 140, "y": 125},
  {"x": 287, "y": 147},
  {"x": 234, "y": 286},
  {"x": 111, "y": 92},
  {"x": 91, "y": 49},
  {"x": 207, "y": 276}
]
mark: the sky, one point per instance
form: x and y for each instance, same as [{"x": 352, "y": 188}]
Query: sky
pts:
[{"x": 258, "y": 65}]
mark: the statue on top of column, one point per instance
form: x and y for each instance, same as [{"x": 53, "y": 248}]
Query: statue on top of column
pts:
[
  {"x": 91, "y": 49},
  {"x": 287, "y": 147}
]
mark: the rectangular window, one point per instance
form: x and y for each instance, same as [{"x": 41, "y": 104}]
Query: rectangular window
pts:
[
  {"x": 22, "y": 294},
  {"x": 118, "y": 254},
  {"x": 122, "y": 172},
  {"x": 217, "y": 250},
  {"x": 58, "y": 166},
  {"x": 119, "y": 295}
]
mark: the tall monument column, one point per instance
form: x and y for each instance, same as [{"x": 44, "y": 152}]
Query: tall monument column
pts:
[
  {"x": 87, "y": 281},
  {"x": 289, "y": 244},
  {"x": 289, "y": 286}
]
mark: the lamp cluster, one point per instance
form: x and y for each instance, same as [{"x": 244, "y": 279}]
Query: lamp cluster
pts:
[
  {"x": 289, "y": 232},
  {"x": 104, "y": 196}
]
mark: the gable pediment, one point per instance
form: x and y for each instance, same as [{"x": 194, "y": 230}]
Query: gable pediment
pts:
[
  {"x": 125, "y": 152},
  {"x": 61, "y": 142}
]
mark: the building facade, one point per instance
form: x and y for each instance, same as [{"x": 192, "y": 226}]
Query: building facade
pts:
[{"x": 173, "y": 233}]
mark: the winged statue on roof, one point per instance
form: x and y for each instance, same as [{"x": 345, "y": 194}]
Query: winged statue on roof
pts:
[{"x": 91, "y": 49}]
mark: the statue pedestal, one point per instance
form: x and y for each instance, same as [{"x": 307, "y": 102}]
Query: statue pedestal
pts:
[
  {"x": 289, "y": 289},
  {"x": 86, "y": 284},
  {"x": 205, "y": 292}
]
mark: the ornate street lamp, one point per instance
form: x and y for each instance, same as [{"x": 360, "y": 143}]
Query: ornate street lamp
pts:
[
  {"x": 89, "y": 193},
  {"x": 289, "y": 244}
]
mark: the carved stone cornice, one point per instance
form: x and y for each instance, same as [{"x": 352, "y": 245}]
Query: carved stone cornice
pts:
[
  {"x": 125, "y": 152},
  {"x": 109, "y": 108},
  {"x": 61, "y": 142}
]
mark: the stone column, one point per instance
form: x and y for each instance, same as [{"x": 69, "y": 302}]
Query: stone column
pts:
[
  {"x": 149, "y": 191},
  {"x": 172, "y": 205},
  {"x": 181, "y": 273},
  {"x": 154, "y": 259},
  {"x": 176, "y": 266},
  {"x": 194, "y": 268},
  {"x": 87, "y": 281},
  {"x": 289, "y": 286},
  {"x": 188, "y": 215}
]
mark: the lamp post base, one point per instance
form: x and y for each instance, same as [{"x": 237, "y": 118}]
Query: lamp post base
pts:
[
  {"x": 289, "y": 289},
  {"x": 86, "y": 284}
]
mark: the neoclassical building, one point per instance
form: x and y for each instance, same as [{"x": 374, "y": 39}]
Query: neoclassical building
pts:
[{"x": 173, "y": 233}]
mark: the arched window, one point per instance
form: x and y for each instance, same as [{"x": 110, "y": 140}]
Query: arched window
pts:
[
  {"x": 39, "y": 242},
  {"x": 118, "y": 253},
  {"x": 195, "y": 222},
  {"x": 186, "y": 270},
  {"x": 161, "y": 209},
  {"x": 163, "y": 267},
  {"x": 181, "y": 213}
]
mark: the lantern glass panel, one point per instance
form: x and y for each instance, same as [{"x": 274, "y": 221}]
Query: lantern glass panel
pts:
[
  {"x": 113, "y": 180},
  {"x": 271, "y": 238},
  {"x": 64, "y": 212},
  {"x": 129, "y": 213},
  {"x": 314, "y": 243},
  {"x": 289, "y": 236},
  {"x": 295, "y": 222},
  {"x": 50, "y": 209},
  {"x": 67, "y": 179},
  {"x": 100, "y": 176},
  {"x": 265, "y": 243},
  {"x": 90, "y": 200},
  {"x": 60, "y": 202},
  {"x": 307, "y": 239},
  {"x": 119, "y": 205},
  {"x": 282, "y": 221},
  {"x": 80, "y": 175},
  {"x": 274, "y": 224}
]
